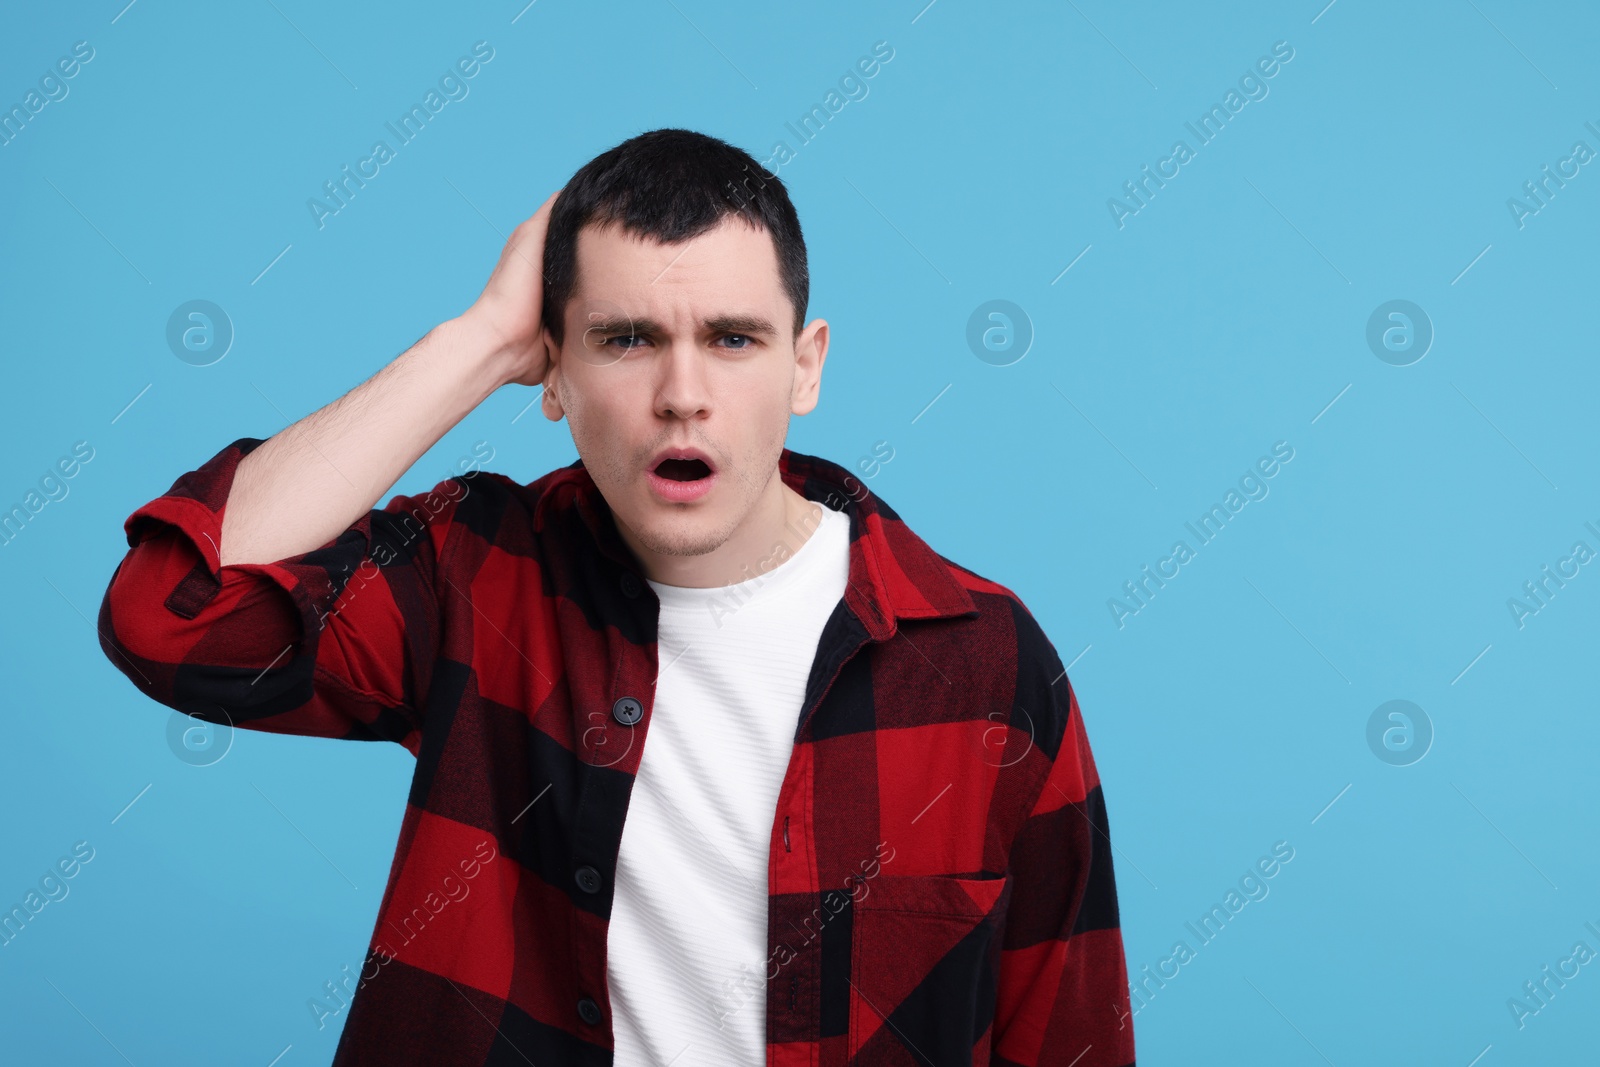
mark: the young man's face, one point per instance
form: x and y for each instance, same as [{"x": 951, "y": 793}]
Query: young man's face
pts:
[{"x": 691, "y": 346}]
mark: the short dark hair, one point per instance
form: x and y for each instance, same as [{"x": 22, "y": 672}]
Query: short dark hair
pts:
[{"x": 670, "y": 185}]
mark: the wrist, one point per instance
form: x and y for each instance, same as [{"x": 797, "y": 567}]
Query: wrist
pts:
[{"x": 472, "y": 344}]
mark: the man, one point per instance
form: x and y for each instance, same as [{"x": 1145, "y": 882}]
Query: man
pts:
[{"x": 717, "y": 761}]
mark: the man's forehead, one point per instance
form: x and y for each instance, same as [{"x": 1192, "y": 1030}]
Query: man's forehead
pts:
[
  {"x": 731, "y": 249},
  {"x": 729, "y": 272}
]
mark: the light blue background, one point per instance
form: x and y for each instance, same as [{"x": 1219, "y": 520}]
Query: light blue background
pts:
[{"x": 1223, "y": 317}]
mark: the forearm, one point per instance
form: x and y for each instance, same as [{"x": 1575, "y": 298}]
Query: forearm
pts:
[{"x": 312, "y": 480}]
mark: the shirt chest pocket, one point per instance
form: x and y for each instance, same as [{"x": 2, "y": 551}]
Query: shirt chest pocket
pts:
[{"x": 924, "y": 965}]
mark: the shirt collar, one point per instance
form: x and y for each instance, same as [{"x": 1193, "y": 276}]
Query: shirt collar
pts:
[{"x": 894, "y": 574}]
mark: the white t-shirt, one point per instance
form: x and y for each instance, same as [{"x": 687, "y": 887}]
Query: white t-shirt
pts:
[{"x": 687, "y": 941}]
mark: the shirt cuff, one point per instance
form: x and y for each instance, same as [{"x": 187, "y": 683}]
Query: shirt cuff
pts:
[{"x": 194, "y": 506}]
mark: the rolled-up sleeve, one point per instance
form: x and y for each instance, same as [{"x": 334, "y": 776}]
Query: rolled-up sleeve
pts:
[
  {"x": 1063, "y": 987},
  {"x": 336, "y": 642}
]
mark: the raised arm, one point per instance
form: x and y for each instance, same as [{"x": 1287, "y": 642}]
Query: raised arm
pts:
[
  {"x": 346, "y": 455},
  {"x": 264, "y": 590}
]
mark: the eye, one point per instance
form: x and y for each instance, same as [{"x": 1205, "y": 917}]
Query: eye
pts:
[
  {"x": 623, "y": 337},
  {"x": 749, "y": 341}
]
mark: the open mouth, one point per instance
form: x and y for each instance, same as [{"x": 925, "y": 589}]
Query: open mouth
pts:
[
  {"x": 683, "y": 478},
  {"x": 683, "y": 470}
]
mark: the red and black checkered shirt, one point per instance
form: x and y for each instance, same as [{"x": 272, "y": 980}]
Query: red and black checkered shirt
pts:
[{"x": 940, "y": 878}]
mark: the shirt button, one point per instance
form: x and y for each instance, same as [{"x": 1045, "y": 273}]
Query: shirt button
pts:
[
  {"x": 589, "y": 1011},
  {"x": 588, "y": 879},
  {"x": 630, "y": 585},
  {"x": 627, "y": 711}
]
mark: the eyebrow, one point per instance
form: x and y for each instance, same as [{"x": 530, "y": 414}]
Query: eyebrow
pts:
[{"x": 754, "y": 325}]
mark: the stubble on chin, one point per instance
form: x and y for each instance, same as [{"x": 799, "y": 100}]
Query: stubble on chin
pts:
[{"x": 682, "y": 541}]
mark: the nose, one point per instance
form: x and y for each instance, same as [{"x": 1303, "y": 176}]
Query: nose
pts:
[{"x": 683, "y": 387}]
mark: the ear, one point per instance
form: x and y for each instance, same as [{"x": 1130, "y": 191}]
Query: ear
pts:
[
  {"x": 810, "y": 350},
  {"x": 550, "y": 399}
]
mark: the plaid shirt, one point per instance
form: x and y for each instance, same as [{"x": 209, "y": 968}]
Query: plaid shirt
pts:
[{"x": 940, "y": 885}]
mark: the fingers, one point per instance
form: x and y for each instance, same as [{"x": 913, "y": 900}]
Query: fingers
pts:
[
  {"x": 521, "y": 265},
  {"x": 530, "y": 233}
]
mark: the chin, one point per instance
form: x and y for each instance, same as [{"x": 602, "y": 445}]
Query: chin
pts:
[
  {"x": 682, "y": 539},
  {"x": 674, "y": 530}
]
